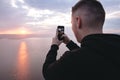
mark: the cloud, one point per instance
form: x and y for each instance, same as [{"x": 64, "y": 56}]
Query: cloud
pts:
[
  {"x": 29, "y": 14},
  {"x": 63, "y": 19},
  {"x": 38, "y": 13},
  {"x": 56, "y": 5},
  {"x": 110, "y": 4},
  {"x": 112, "y": 8},
  {"x": 116, "y": 31},
  {"x": 40, "y": 20},
  {"x": 42, "y": 16},
  {"x": 9, "y": 16},
  {"x": 115, "y": 14},
  {"x": 112, "y": 16},
  {"x": 112, "y": 25}
]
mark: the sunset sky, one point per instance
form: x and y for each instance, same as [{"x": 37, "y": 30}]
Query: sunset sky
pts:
[{"x": 42, "y": 16}]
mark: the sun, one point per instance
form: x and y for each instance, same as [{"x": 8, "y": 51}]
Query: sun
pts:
[{"x": 23, "y": 32}]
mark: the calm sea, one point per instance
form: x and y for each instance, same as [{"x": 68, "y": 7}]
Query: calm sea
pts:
[{"x": 22, "y": 59}]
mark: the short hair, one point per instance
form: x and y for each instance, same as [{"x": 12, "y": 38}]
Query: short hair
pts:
[{"x": 94, "y": 10}]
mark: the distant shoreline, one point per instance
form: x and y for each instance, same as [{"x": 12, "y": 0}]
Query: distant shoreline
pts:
[{"x": 21, "y": 36}]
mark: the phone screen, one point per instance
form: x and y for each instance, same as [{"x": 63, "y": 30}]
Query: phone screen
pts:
[{"x": 60, "y": 30}]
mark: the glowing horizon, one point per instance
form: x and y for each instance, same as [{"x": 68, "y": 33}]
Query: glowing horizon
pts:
[{"x": 21, "y": 31}]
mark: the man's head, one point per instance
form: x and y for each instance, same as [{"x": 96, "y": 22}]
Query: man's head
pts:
[{"x": 88, "y": 17}]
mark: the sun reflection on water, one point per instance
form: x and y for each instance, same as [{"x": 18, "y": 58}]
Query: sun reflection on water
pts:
[{"x": 22, "y": 63}]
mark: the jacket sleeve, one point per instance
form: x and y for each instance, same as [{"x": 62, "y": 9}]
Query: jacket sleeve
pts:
[
  {"x": 71, "y": 45},
  {"x": 50, "y": 58},
  {"x": 52, "y": 68}
]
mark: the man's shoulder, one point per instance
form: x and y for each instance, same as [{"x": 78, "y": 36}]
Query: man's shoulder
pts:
[
  {"x": 76, "y": 52},
  {"x": 82, "y": 53},
  {"x": 82, "y": 58}
]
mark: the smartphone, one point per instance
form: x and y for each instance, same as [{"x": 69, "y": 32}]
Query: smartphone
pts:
[{"x": 60, "y": 30}]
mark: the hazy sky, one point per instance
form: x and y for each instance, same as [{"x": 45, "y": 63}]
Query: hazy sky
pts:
[{"x": 42, "y": 16}]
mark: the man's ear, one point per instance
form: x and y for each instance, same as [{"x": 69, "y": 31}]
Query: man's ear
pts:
[{"x": 78, "y": 19}]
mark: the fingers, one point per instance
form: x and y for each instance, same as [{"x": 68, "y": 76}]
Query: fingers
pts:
[
  {"x": 65, "y": 36},
  {"x": 56, "y": 41},
  {"x": 66, "y": 39},
  {"x": 56, "y": 32}
]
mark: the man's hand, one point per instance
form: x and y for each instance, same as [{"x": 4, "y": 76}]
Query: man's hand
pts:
[
  {"x": 66, "y": 39},
  {"x": 56, "y": 41}
]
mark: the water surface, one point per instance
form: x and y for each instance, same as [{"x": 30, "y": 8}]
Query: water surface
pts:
[{"x": 22, "y": 59}]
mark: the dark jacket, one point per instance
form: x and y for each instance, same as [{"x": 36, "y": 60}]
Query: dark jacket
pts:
[{"x": 98, "y": 58}]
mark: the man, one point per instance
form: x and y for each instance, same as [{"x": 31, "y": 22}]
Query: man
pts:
[{"x": 98, "y": 58}]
